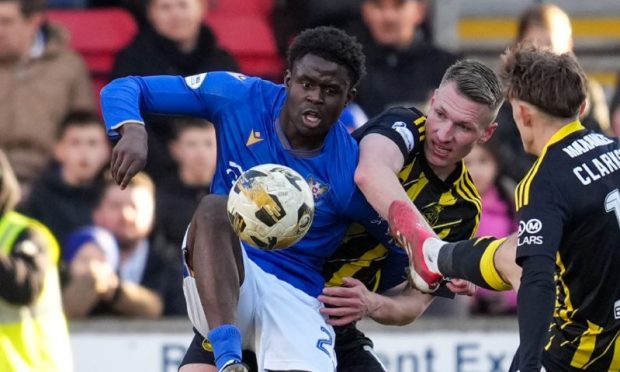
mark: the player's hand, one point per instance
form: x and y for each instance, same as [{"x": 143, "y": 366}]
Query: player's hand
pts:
[
  {"x": 348, "y": 303},
  {"x": 129, "y": 154},
  {"x": 461, "y": 287}
]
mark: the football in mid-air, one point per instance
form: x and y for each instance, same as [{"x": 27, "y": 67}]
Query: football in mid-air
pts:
[{"x": 270, "y": 206}]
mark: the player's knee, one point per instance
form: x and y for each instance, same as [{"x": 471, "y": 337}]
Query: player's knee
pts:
[{"x": 212, "y": 211}]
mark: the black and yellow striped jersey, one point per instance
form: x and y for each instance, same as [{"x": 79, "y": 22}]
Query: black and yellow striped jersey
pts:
[
  {"x": 568, "y": 207},
  {"x": 452, "y": 207}
]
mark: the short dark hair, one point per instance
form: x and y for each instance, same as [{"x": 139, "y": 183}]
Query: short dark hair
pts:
[
  {"x": 141, "y": 179},
  {"x": 477, "y": 82},
  {"x": 28, "y": 7},
  {"x": 80, "y": 119},
  {"x": 181, "y": 124},
  {"x": 333, "y": 45},
  {"x": 555, "y": 84}
]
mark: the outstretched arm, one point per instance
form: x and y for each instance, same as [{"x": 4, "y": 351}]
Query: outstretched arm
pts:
[
  {"x": 124, "y": 100},
  {"x": 353, "y": 301},
  {"x": 397, "y": 306},
  {"x": 377, "y": 172}
]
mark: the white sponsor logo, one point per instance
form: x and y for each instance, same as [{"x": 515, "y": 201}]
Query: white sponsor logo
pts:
[
  {"x": 532, "y": 240},
  {"x": 234, "y": 171},
  {"x": 238, "y": 76},
  {"x": 405, "y": 133},
  {"x": 617, "y": 310},
  {"x": 531, "y": 227},
  {"x": 195, "y": 81}
]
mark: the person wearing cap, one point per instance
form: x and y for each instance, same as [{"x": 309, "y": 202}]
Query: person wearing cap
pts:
[{"x": 92, "y": 255}]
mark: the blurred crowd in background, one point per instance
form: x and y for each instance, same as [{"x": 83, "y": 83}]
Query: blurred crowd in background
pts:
[{"x": 119, "y": 249}]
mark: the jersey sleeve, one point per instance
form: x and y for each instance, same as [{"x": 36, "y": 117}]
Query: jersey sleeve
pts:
[
  {"x": 404, "y": 126},
  {"x": 541, "y": 213},
  {"x": 202, "y": 95}
]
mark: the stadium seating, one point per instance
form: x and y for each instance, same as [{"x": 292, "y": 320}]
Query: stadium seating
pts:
[
  {"x": 250, "y": 39},
  {"x": 97, "y": 34},
  {"x": 236, "y": 7}
]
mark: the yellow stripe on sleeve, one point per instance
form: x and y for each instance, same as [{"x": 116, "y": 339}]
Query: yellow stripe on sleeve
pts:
[{"x": 488, "y": 269}]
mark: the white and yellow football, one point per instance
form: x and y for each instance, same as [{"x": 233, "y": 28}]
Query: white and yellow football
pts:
[{"x": 270, "y": 207}]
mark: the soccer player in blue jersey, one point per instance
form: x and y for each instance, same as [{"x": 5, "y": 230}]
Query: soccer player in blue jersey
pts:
[{"x": 237, "y": 294}]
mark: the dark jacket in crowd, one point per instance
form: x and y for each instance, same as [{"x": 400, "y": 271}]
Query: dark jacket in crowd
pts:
[
  {"x": 176, "y": 203},
  {"x": 163, "y": 274},
  {"x": 399, "y": 77},
  {"x": 59, "y": 206},
  {"x": 152, "y": 54}
]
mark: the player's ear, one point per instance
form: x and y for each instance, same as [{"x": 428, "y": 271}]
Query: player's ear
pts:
[
  {"x": 488, "y": 132},
  {"x": 521, "y": 112},
  {"x": 287, "y": 78},
  {"x": 351, "y": 95},
  {"x": 583, "y": 107}
]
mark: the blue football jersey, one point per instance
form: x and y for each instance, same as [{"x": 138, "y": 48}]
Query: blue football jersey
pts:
[{"x": 245, "y": 112}]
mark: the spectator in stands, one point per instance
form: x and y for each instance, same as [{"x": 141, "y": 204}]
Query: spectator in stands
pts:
[
  {"x": 177, "y": 42},
  {"x": 193, "y": 148},
  {"x": 41, "y": 80},
  {"x": 290, "y": 17},
  {"x": 546, "y": 25},
  {"x": 149, "y": 269},
  {"x": 65, "y": 195},
  {"x": 91, "y": 256},
  {"x": 497, "y": 218},
  {"x": 403, "y": 66},
  {"x": 33, "y": 330}
]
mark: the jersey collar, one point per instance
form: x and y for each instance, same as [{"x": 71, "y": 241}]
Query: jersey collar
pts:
[{"x": 565, "y": 131}]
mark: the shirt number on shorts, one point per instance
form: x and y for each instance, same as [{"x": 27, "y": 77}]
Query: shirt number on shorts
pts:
[{"x": 329, "y": 341}]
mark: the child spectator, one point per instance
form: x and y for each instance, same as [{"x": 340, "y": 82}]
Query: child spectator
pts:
[
  {"x": 193, "y": 148},
  {"x": 497, "y": 219},
  {"x": 64, "y": 197}
]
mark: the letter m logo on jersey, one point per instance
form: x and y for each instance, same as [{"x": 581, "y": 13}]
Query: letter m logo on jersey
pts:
[{"x": 617, "y": 310}]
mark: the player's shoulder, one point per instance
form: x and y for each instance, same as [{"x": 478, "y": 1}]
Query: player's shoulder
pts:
[
  {"x": 405, "y": 126},
  {"x": 231, "y": 78},
  {"x": 243, "y": 95},
  {"x": 395, "y": 114}
]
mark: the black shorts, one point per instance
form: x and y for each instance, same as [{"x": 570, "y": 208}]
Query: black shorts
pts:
[
  {"x": 355, "y": 352},
  {"x": 197, "y": 353}
]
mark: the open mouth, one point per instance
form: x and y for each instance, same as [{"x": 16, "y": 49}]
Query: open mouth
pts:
[
  {"x": 311, "y": 118},
  {"x": 441, "y": 151}
]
